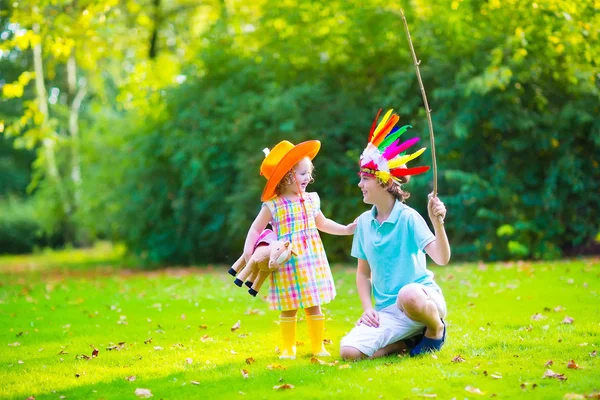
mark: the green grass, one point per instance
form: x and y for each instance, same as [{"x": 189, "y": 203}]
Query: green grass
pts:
[{"x": 58, "y": 306}]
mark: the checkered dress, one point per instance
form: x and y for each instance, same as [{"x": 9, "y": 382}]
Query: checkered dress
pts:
[{"x": 305, "y": 280}]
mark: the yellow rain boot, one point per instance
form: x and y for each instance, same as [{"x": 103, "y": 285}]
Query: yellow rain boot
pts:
[
  {"x": 316, "y": 327},
  {"x": 288, "y": 337}
]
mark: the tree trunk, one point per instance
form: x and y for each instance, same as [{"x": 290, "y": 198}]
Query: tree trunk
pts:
[
  {"x": 48, "y": 141},
  {"x": 76, "y": 96}
]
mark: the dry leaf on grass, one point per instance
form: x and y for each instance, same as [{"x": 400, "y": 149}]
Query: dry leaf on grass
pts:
[
  {"x": 236, "y": 326},
  {"x": 537, "y": 317},
  {"x": 15, "y": 344},
  {"x": 548, "y": 363},
  {"x": 474, "y": 390},
  {"x": 143, "y": 393},
  {"x": 285, "y": 386},
  {"x": 458, "y": 359},
  {"x": 428, "y": 395},
  {"x": 594, "y": 353},
  {"x": 244, "y": 373},
  {"x": 567, "y": 320},
  {"x": 194, "y": 382},
  {"x": 275, "y": 366},
  {"x": 249, "y": 360},
  {"x": 551, "y": 374},
  {"x": 496, "y": 375},
  {"x": 573, "y": 365},
  {"x": 573, "y": 396},
  {"x": 189, "y": 360},
  {"x": 130, "y": 378}
]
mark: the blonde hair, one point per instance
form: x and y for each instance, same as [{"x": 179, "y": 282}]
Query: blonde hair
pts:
[{"x": 288, "y": 179}]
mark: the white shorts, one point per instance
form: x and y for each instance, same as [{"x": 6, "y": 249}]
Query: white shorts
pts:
[{"x": 394, "y": 325}]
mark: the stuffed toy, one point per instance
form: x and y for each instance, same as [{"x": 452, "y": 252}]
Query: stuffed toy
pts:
[{"x": 269, "y": 254}]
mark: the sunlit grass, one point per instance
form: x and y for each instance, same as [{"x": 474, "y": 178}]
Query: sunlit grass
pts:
[{"x": 49, "y": 320}]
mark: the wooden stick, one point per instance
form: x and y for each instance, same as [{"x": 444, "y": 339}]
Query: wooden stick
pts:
[
  {"x": 431, "y": 137},
  {"x": 427, "y": 109}
]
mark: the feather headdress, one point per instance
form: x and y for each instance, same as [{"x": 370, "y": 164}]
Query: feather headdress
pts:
[{"x": 385, "y": 157}]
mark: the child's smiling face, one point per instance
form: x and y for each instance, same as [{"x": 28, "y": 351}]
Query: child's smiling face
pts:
[
  {"x": 371, "y": 189},
  {"x": 303, "y": 171}
]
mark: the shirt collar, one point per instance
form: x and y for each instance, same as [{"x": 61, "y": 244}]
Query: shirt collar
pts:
[{"x": 393, "y": 217}]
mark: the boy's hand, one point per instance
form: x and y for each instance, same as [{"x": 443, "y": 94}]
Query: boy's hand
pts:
[
  {"x": 369, "y": 318},
  {"x": 436, "y": 209}
]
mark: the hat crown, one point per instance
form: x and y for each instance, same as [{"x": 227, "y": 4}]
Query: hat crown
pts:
[{"x": 274, "y": 158}]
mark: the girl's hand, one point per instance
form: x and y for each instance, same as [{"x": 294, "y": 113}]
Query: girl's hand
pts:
[
  {"x": 350, "y": 228},
  {"x": 435, "y": 208},
  {"x": 369, "y": 318}
]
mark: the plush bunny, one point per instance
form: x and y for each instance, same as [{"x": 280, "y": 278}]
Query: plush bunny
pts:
[{"x": 268, "y": 255}]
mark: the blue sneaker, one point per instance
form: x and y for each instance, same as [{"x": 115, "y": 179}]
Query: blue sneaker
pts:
[{"x": 428, "y": 345}]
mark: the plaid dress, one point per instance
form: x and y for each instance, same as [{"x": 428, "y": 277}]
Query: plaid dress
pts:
[{"x": 305, "y": 280}]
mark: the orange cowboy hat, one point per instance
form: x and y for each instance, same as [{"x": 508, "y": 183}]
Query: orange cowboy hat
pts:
[{"x": 280, "y": 160}]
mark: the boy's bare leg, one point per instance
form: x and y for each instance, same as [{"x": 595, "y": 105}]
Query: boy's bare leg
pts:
[{"x": 417, "y": 305}]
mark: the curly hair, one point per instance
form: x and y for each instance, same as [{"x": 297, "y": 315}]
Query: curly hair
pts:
[{"x": 288, "y": 179}]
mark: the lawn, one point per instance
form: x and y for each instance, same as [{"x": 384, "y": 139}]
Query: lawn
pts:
[{"x": 74, "y": 325}]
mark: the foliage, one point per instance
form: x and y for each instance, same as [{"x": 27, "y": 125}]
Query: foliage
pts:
[{"x": 183, "y": 97}]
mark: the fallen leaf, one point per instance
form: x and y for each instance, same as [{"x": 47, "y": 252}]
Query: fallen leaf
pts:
[
  {"x": 551, "y": 374},
  {"x": 158, "y": 348},
  {"x": 573, "y": 396},
  {"x": 143, "y": 393},
  {"x": 189, "y": 360},
  {"x": 285, "y": 386},
  {"x": 203, "y": 327},
  {"x": 458, "y": 359},
  {"x": 130, "y": 378},
  {"x": 326, "y": 341},
  {"x": 559, "y": 308},
  {"x": 315, "y": 360},
  {"x": 30, "y": 398},
  {"x": 15, "y": 344},
  {"x": 20, "y": 362},
  {"x": 473, "y": 390},
  {"x": 275, "y": 366},
  {"x": 496, "y": 375},
  {"x": 567, "y": 320},
  {"x": 594, "y": 353},
  {"x": 206, "y": 338},
  {"x": 244, "y": 374},
  {"x": 523, "y": 386},
  {"x": 95, "y": 353},
  {"x": 62, "y": 352},
  {"x": 249, "y": 360},
  {"x": 573, "y": 365},
  {"x": 428, "y": 395},
  {"x": 148, "y": 341},
  {"x": 548, "y": 363},
  {"x": 345, "y": 366},
  {"x": 194, "y": 382},
  {"x": 434, "y": 356},
  {"x": 593, "y": 395},
  {"x": 236, "y": 326},
  {"x": 537, "y": 317}
]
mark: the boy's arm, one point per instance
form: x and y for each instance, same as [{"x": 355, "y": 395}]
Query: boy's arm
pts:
[
  {"x": 259, "y": 225},
  {"x": 333, "y": 228},
  {"x": 439, "y": 249},
  {"x": 363, "y": 284}
]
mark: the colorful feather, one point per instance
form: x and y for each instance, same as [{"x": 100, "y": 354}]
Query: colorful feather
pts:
[
  {"x": 373, "y": 125},
  {"x": 398, "y": 161},
  {"x": 409, "y": 171},
  {"x": 394, "y": 149},
  {"x": 395, "y": 134},
  {"x": 377, "y": 139},
  {"x": 381, "y": 124}
]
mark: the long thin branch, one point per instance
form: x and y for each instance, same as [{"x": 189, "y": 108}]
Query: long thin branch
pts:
[{"x": 431, "y": 137}]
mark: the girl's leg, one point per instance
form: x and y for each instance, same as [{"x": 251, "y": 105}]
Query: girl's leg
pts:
[
  {"x": 287, "y": 326},
  {"x": 315, "y": 321}
]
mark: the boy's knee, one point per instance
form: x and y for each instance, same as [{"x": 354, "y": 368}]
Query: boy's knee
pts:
[
  {"x": 412, "y": 299},
  {"x": 350, "y": 353}
]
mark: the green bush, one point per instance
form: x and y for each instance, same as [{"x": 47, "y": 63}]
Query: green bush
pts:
[{"x": 20, "y": 232}]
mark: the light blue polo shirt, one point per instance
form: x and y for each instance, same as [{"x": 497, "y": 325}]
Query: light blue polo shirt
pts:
[{"x": 395, "y": 251}]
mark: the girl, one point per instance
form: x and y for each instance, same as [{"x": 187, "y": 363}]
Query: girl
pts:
[
  {"x": 390, "y": 244},
  {"x": 295, "y": 215}
]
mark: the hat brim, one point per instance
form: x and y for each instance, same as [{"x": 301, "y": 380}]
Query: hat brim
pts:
[{"x": 308, "y": 149}]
